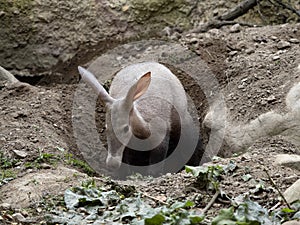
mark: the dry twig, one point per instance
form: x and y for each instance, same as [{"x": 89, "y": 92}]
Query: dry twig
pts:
[
  {"x": 211, "y": 202},
  {"x": 276, "y": 187}
]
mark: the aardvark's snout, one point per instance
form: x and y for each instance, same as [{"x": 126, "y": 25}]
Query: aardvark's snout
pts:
[{"x": 113, "y": 163}]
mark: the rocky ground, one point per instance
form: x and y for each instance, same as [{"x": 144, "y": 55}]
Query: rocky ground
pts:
[{"x": 254, "y": 67}]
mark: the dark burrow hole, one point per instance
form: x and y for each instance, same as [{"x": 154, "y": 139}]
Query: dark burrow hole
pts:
[{"x": 34, "y": 80}]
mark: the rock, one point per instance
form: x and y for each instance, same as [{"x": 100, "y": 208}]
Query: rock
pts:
[
  {"x": 5, "y": 206},
  {"x": 271, "y": 98},
  {"x": 18, "y": 217},
  {"x": 235, "y": 28},
  {"x": 20, "y": 193},
  {"x": 292, "y": 194},
  {"x": 294, "y": 40},
  {"x": 274, "y": 38},
  {"x": 249, "y": 51},
  {"x": 292, "y": 222},
  {"x": 215, "y": 12},
  {"x": 283, "y": 44},
  {"x": 7, "y": 76},
  {"x": 193, "y": 40},
  {"x": 232, "y": 53},
  {"x": 20, "y": 154},
  {"x": 292, "y": 161}
]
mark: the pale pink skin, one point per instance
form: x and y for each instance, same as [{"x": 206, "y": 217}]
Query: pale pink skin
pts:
[{"x": 139, "y": 107}]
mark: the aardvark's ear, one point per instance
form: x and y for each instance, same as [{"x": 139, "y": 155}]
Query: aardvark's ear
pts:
[
  {"x": 139, "y": 88},
  {"x": 89, "y": 78}
]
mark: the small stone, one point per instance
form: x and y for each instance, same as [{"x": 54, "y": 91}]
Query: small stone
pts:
[
  {"x": 19, "y": 217},
  {"x": 271, "y": 98},
  {"x": 214, "y": 32},
  {"x": 5, "y": 206},
  {"x": 39, "y": 210},
  {"x": 249, "y": 51},
  {"x": 8, "y": 217},
  {"x": 175, "y": 36},
  {"x": 292, "y": 194},
  {"x": 125, "y": 8},
  {"x": 274, "y": 38},
  {"x": 24, "y": 213},
  {"x": 45, "y": 166},
  {"x": 16, "y": 12},
  {"x": 82, "y": 210},
  {"x": 20, "y": 154},
  {"x": 276, "y": 57},
  {"x": 235, "y": 28},
  {"x": 232, "y": 53},
  {"x": 215, "y": 12},
  {"x": 283, "y": 44},
  {"x": 294, "y": 40},
  {"x": 289, "y": 160},
  {"x": 259, "y": 39},
  {"x": 193, "y": 40},
  {"x": 241, "y": 45}
]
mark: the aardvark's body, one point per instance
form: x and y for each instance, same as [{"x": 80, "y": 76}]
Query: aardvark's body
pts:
[{"x": 145, "y": 111}]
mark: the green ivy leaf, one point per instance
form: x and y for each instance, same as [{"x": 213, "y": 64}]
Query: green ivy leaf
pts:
[
  {"x": 194, "y": 219},
  {"x": 287, "y": 210},
  {"x": 157, "y": 219},
  {"x": 196, "y": 170},
  {"x": 225, "y": 216}
]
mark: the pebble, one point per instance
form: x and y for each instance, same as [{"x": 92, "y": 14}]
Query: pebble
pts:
[
  {"x": 214, "y": 32},
  {"x": 276, "y": 57},
  {"x": 45, "y": 166},
  {"x": 83, "y": 210},
  {"x": 294, "y": 41},
  {"x": 235, "y": 28},
  {"x": 20, "y": 154},
  {"x": 283, "y": 44},
  {"x": 19, "y": 217},
  {"x": 271, "y": 98},
  {"x": 175, "y": 36},
  {"x": 193, "y": 40},
  {"x": 249, "y": 51},
  {"x": 215, "y": 12},
  {"x": 292, "y": 194},
  {"x": 39, "y": 210},
  {"x": 274, "y": 38},
  {"x": 5, "y": 206},
  {"x": 232, "y": 53},
  {"x": 8, "y": 217},
  {"x": 289, "y": 160}
]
